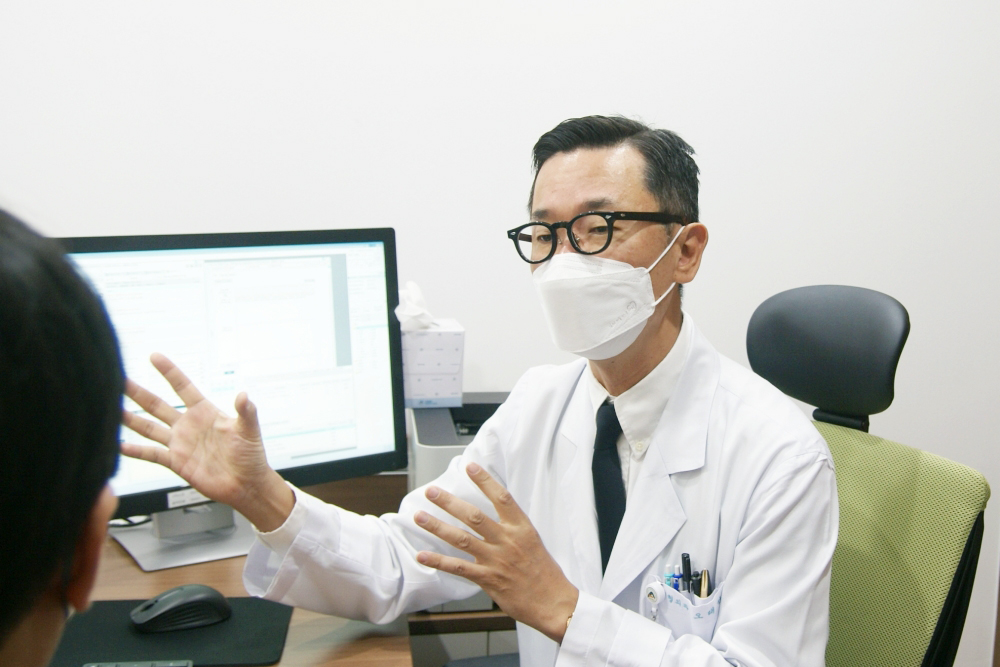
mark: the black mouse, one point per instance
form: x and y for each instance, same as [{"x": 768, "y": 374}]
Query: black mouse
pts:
[{"x": 181, "y": 608}]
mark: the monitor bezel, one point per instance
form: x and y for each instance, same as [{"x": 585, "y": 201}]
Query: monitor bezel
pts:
[{"x": 149, "y": 502}]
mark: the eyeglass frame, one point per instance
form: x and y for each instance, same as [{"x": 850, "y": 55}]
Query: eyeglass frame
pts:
[{"x": 609, "y": 216}]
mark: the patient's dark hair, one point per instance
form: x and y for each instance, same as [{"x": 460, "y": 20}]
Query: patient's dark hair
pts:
[
  {"x": 671, "y": 172},
  {"x": 61, "y": 383}
]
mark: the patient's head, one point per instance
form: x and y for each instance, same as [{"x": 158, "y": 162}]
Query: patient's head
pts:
[{"x": 61, "y": 383}]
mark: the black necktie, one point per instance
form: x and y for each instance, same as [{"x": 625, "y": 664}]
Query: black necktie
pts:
[{"x": 609, "y": 490}]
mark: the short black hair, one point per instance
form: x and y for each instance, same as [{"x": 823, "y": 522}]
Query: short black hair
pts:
[
  {"x": 671, "y": 172},
  {"x": 61, "y": 383}
]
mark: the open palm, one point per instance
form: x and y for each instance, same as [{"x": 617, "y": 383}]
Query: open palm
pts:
[{"x": 220, "y": 456}]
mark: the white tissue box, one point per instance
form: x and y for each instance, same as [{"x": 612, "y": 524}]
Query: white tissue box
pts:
[{"x": 432, "y": 365}]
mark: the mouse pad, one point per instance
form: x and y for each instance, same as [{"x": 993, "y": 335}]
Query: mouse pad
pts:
[{"x": 253, "y": 635}]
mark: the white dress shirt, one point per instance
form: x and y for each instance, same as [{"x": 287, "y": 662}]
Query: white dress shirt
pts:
[{"x": 640, "y": 407}]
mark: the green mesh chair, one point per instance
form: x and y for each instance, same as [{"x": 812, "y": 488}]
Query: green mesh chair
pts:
[{"x": 911, "y": 523}]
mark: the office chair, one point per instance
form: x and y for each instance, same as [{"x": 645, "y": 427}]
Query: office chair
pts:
[{"x": 911, "y": 523}]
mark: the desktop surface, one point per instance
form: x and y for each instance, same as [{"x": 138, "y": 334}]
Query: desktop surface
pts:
[{"x": 314, "y": 640}]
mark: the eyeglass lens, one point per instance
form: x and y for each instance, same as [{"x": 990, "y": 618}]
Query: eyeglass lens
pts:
[{"x": 590, "y": 235}]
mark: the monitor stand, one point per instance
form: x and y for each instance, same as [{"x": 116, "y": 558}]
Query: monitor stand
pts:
[{"x": 186, "y": 536}]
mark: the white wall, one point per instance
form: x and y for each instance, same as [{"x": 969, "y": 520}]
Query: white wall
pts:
[{"x": 853, "y": 142}]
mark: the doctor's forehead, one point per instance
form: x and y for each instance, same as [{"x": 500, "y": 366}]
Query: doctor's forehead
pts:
[{"x": 589, "y": 179}]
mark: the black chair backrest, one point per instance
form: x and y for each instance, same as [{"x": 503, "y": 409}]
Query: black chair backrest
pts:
[
  {"x": 831, "y": 346},
  {"x": 837, "y": 348}
]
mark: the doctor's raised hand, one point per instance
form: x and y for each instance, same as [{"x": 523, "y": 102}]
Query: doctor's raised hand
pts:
[
  {"x": 220, "y": 456},
  {"x": 511, "y": 563}
]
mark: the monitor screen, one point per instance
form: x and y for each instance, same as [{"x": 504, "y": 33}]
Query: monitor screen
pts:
[{"x": 301, "y": 321}]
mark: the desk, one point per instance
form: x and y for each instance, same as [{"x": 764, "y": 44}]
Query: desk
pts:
[{"x": 314, "y": 640}]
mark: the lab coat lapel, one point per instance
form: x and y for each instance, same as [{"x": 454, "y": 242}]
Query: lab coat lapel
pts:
[
  {"x": 578, "y": 428},
  {"x": 654, "y": 513},
  {"x": 647, "y": 527}
]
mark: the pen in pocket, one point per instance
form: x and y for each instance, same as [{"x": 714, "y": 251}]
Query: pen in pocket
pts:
[{"x": 697, "y": 583}]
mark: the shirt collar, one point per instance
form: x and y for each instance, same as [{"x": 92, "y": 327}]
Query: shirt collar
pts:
[{"x": 640, "y": 407}]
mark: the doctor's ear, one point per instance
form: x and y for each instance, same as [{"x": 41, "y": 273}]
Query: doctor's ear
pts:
[{"x": 692, "y": 242}]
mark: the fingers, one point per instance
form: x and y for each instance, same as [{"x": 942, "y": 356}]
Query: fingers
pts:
[
  {"x": 182, "y": 386},
  {"x": 151, "y": 403},
  {"x": 146, "y": 428},
  {"x": 247, "y": 412},
  {"x": 473, "y": 517},
  {"x": 147, "y": 453},
  {"x": 159, "y": 408},
  {"x": 507, "y": 509},
  {"x": 466, "y": 512},
  {"x": 456, "y": 537},
  {"x": 513, "y": 525},
  {"x": 452, "y": 565}
]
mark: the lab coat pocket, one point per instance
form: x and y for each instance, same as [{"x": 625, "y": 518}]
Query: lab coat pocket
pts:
[
  {"x": 684, "y": 614},
  {"x": 694, "y": 615}
]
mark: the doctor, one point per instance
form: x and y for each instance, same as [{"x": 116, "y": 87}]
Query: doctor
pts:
[{"x": 593, "y": 479}]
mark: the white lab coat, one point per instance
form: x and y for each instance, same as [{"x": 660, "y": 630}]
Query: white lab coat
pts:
[{"x": 735, "y": 475}]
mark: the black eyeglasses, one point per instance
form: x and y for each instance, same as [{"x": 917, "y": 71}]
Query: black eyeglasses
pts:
[{"x": 589, "y": 233}]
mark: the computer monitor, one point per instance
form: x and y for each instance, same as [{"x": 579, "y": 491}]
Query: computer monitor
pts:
[{"x": 302, "y": 321}]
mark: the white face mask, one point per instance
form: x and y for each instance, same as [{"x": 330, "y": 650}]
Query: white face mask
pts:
[{"x": 596, "y": 307}]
